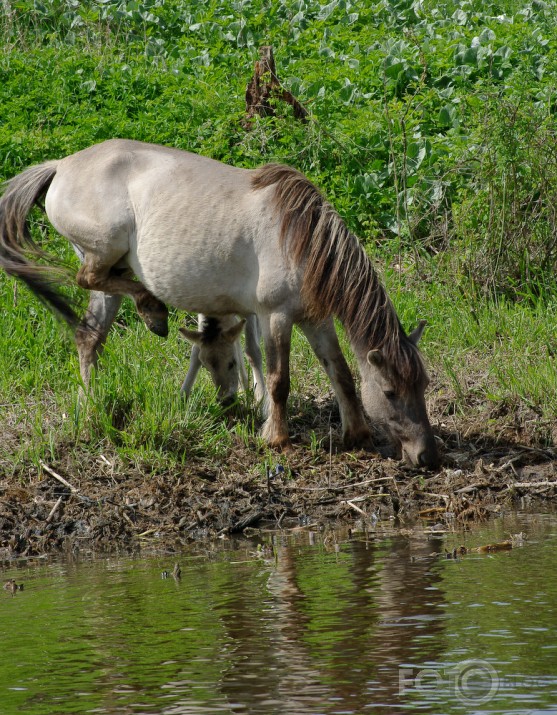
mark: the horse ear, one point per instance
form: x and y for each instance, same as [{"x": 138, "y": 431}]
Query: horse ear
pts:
[
  {"x": 375, "y": 358},
  {"x": 416, "y": 334},
  {"x": 234, "y": 332},
  {"x": 192, "y": 336}
]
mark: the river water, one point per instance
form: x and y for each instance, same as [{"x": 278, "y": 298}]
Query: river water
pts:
[{"x": 290, "y": 624}]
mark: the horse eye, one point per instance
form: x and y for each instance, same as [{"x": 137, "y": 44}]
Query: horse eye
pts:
[
  {"x": 390, "y": 395},
  {"x": 232, "y": 364}
]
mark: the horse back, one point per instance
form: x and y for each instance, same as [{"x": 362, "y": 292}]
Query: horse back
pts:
[{"x": 193, "y": 230}]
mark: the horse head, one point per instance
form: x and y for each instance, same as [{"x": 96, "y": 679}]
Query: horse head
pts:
[
  {"x": 398, "y": 405},
  {"x": 220, "y": 353}
]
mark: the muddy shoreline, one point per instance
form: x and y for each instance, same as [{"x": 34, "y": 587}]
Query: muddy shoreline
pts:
[{"x": 85, "y": 504}]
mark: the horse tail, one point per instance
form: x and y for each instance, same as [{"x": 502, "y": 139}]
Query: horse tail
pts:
[{"x": 20, "y": 195}]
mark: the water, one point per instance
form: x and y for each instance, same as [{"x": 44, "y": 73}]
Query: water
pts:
[{"x": 313, "y": 625}]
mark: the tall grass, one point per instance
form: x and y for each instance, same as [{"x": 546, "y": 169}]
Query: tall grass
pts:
[{"x": 431, "y": 130}]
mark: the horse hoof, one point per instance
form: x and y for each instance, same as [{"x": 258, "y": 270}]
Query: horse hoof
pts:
[
  {"x": 157, "y": 325},
  {"x": 281, "y": 445},
  {"x": 154, "y": 314},
  {"x": 156, "y": 321}
]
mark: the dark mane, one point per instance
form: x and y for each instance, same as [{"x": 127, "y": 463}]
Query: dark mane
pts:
[
  {"x": 339, "y": 278},
  {"x": 210, "y": 330}
]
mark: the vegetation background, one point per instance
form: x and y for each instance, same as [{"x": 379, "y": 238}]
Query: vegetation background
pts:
[{"x": 431, "y": 130}]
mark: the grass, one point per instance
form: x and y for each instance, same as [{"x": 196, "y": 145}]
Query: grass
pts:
[
  {"x": 431, "y": 131},
  {"x": 485, "y": 360}
]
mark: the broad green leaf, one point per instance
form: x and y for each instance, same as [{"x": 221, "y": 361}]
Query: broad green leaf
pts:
[
  {"x": 326, "y": 10},
  {"x": 460, "y": 17}
]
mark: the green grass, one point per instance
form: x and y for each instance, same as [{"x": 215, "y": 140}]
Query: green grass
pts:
[
  {"x": 431, "y": 131},
  {"x": 483, "y": 359},
  {"x": 486, "y": 356}
]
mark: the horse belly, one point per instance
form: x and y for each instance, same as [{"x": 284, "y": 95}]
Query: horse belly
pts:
[
  {"x": 188, "y": 276},
  {"x": 194, "y": 245}
]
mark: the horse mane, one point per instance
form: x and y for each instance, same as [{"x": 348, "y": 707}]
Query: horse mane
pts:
[
  {"x": 211, "y": 329},
  {"x": 339, "y": 278}
]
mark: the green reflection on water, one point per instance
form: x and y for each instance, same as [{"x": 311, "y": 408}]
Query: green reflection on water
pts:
[{"x": 324, "y": 628}]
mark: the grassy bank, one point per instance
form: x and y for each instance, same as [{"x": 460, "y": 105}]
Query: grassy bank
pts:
[{"x": 431, "y": 130}]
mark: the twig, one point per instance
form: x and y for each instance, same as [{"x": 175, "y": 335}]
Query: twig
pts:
[
  {"x": 432, "y": 511},
  {"x": 356, "y": 508},
  {"x": 127, "y": 518},
  {"x": 532, "y": 485},
  {"x": 148, "y": 532},
  {"x": 472, "y": 487},
  {"x": 339, "y": 488},
  {"x": 58, "y": 477},
  {"x": 53, "y": 510},
  {"x": 145, "y": 534},
  {"x": 445, "y": 497}
]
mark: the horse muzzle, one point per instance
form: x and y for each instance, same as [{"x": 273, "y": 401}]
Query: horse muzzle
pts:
[{"x": 423, "y": 453}]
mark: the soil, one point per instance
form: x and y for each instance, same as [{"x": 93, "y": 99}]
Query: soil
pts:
[{"x": 100, "y": 504}]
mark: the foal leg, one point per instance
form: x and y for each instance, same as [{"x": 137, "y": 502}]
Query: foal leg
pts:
[
  {"x": 277, "y": 331},
  {"x": 323, "y": 339},
  {"x": 240, "y": 362},
  {"x": 193, "y": 369},
  {"x": 97, "y": 275},
  {"x": 91, "y": 334},
  {"x": 195, "y": 363},
  {"x": 253, "y": 354}
]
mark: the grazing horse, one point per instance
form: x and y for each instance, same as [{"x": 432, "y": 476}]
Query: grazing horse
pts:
[{"x": 169, "y": 227}]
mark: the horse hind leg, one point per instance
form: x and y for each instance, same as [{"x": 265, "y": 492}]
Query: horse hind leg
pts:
[
  {"x": 93, "y": 330},
  {"x": 97, "y": 275}
]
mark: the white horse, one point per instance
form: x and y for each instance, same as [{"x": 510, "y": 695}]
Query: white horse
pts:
[{"x": 166, "y": 226}]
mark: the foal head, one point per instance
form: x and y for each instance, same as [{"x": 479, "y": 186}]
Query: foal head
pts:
[
  {"x": 398, "y": 403},
  {"x": 220, "y": 353}
]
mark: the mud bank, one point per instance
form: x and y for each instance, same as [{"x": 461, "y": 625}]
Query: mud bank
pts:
[{"x": 101, "y": 504}]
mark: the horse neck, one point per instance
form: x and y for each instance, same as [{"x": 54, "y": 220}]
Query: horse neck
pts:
[{"x": 363, "y": 306}]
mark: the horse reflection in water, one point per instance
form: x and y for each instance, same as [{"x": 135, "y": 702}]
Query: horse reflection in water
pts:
[
  {"x": 344, "y": 628},
  {"x": 168, "y": 227}
]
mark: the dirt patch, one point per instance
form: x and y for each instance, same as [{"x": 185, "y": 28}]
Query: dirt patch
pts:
[{"x": 103, "y": 504}]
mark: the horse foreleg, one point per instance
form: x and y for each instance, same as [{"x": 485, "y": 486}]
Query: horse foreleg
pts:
[
  {"x": 277, "y": 330},
  {"x": 323, "y": 339},
  {"x": 95, "y": 275},
  {"x": 253, "y": 354},
  {"x": 91, "y": 334}
]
